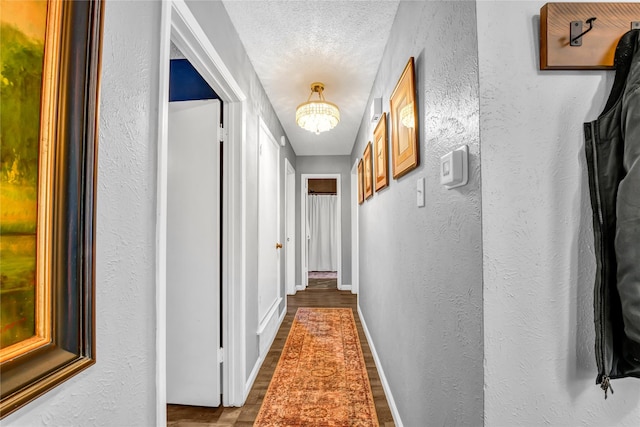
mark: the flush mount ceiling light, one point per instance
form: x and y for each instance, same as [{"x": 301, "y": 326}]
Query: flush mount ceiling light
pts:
[{"x": 317, "y": 116}]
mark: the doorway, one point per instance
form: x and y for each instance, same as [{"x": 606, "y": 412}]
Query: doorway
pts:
[
  {"x": 269, "y": 243},
  {"x": 321, "y": 237},
  {"x": 193, "y": 254},
  {"x": 180, "y": 27},
  {"x": 290, "y": 227}
]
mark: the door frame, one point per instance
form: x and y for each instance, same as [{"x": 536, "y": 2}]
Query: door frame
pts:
[
  {"x": 178, "y": 24},
  {"x": 289, "y": 227},
  {"x": 304, "y": 260},
  {"x": 355, "y": 236}
]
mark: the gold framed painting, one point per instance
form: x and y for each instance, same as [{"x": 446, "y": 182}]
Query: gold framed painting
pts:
[
  {"x": 50, "y": 57},
  {"x": 360, "y": 182},
  {"x": 404, "y": 123},
  {"x": 381, "y": 150},
  {"x": 368, "y": 172}
]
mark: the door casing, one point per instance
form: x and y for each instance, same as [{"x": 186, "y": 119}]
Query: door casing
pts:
[
  {"x": 267, "y": 236},
  {"x": 304, "y": 258},
  {"x": 290, "y": 227},
  {"x": 180, "y": 26}
]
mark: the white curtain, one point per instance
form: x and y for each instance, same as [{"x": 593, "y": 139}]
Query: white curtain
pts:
[{"x": 322, "y": 219}]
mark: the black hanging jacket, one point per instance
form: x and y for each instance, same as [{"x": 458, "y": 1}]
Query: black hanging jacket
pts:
[{"x": 612, "y": 148}]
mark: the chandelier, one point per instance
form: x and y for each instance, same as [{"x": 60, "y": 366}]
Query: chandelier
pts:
[{"x": 317, "y": 116}]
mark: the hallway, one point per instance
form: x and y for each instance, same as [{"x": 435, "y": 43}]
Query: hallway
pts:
[{"x": 182, "y": 416}]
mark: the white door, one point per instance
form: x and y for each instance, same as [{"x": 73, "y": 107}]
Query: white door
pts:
[
  {"x": 290, "y": 229},
  {"x": 193, "y": 254},
  {"x": 269, "y": 244}
]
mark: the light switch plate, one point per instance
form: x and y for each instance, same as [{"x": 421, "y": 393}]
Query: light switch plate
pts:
[{"x": 420, "y": 193}]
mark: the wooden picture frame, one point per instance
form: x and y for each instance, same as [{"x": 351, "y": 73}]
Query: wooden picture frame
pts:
[
  {"x": 63, "y": 341},
  {"x": 360, "y": 182},
  {"x": 381, "y": 153},
  {"x": 368, "y": 172},
  {"x": 404, "y": 123}
]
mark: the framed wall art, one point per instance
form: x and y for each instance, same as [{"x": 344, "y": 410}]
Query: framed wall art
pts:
[
  {"x": 360, "y": 183},
  {"x": 368, "y": 172},
  {"x": 404, "y": 123},
  {"x": 381, "y": 153},
  {"x": 50, "y": 69}
]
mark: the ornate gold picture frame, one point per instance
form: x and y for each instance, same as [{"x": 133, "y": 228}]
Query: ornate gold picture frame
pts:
[
  {"x": 381, "y": 150},
  {"x": 59, "y": 341},
  {"x": 404, "y": 123}
]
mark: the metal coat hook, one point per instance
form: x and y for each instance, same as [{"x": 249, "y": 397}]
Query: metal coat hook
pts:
[{"x": 576, "y": 26}]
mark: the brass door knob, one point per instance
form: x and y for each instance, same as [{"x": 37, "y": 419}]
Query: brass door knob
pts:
[{"x": 278, "y": 245}]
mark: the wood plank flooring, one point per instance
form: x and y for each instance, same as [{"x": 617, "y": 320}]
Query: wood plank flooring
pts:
[
  {"x": 194, "y": 416},
  {"x": 322, "y": 284}
]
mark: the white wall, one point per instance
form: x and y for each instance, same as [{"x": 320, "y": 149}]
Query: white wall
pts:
[
  {"x": 214, "y": 20},
  {"x": 539, "y": 264},
  {"x": 421, "y": 268},
  {"x": 320, "y": 165},
  {"x": 119, "y": 390}
]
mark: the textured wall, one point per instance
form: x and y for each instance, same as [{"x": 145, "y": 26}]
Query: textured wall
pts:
[
  {"x": 537, "y": 234},
  {"x": 119, "y": 390},
  {"x": 214, "y": 20},
  {"x": 421, "y": 268},
  {"x": 320, "y": 165}
]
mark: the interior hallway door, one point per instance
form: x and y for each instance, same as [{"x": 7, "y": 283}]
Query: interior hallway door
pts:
[
  {"x": 193, "y": 254},
  {"x": 269, "y": 243}
]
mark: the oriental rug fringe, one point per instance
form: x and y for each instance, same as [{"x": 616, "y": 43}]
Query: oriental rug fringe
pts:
[{"x": 321, "y": 377}]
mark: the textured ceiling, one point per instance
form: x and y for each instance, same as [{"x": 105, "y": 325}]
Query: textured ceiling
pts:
[{"x": 294, "y": 43}]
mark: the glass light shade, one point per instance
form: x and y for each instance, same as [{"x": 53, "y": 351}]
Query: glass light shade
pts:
[
  {"x": 317, "y": 116},
  {"x": 406, "y": 116}
]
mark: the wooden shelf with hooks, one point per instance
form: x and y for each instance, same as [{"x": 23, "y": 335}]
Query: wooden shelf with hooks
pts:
[{"x": 598, "y": 45}]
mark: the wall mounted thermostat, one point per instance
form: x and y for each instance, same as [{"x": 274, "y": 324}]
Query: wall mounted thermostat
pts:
[{"x": 454, "y": 168}]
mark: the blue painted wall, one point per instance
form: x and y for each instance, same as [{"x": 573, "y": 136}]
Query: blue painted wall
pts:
[{"x": 186, "y": 84}]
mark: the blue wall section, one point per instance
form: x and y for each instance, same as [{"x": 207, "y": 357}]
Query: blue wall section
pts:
[{"x": 186, "y": 84}]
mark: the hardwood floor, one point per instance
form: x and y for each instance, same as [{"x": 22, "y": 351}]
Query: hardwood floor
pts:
[
  {"x": 322, "y": 284},
  {"x": 194, "y": 416}
]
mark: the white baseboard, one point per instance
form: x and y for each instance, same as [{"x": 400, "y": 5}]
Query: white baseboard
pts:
[
  {"x": 383, "y": 378},
  {"x": 268, "y": 328},
  {"x": 262, "y": 355},
  {"x": 299, "y": 288},
  {"x": 345, "y": 287}
]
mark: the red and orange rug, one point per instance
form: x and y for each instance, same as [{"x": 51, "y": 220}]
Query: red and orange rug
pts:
[{"x": 321, "y": 377}]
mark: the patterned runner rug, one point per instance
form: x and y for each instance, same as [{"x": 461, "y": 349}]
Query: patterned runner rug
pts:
[{"x": 321, "y": 378}]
